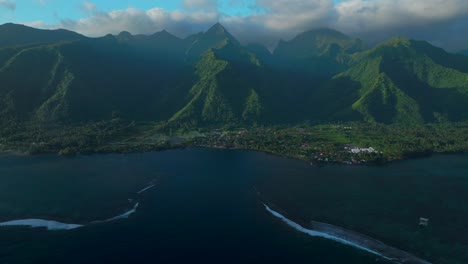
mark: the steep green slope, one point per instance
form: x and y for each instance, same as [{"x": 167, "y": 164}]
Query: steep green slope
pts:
[
  {"x": 28, "y": 79},
  {"x": 410, "y": 81},
  {"x": 91, "y": 79},
  {"x": 226, "y": 89},
  {"x": 210, "y": 78},
  {"x": 215, "y": 37}
]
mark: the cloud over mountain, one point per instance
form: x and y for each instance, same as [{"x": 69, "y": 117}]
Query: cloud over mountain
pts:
[{"x": 442, "y": 22}]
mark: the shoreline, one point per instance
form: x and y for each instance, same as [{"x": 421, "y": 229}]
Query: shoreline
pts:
[
  {"x": 411, "y": 156},
  {"x": 350, "y": 238}
]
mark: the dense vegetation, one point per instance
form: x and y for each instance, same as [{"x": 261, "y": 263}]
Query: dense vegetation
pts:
[
  {"x": 206, "y": 79},
  {"x": 63, "y": 92}
]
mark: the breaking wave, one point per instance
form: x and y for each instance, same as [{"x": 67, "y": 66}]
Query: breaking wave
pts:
[
  {"x": 320, "y": 234},
  {"x": 55, "y": 226}
]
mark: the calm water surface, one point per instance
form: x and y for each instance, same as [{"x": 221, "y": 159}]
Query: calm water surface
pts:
[{"x": 203, "y": 209}]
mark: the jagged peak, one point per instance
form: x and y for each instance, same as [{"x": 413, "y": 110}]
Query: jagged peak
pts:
[
  {"x": 218, "y": 32},
  {"x": 217, "y": 29},
  {"x": 164, "y": 33}
]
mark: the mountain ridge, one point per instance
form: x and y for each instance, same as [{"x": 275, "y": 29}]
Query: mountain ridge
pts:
[{"x": 321, "y": 75}]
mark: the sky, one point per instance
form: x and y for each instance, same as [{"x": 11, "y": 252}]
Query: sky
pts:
[{"x": 443, "y": 23}]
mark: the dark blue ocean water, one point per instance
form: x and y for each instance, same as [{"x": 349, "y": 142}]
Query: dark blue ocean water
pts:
[{"x": 203, "y": 210}]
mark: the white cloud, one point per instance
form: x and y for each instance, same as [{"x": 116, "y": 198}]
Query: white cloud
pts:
[
  {"x": 443, "y": 22},
  {"x": 200, "y": 4},
  {"x": 365, "y": 16},
  {"x": 89, "y": 6},
  {"x": 140, "y": 21},
  {"x": 8, "y": 4}
]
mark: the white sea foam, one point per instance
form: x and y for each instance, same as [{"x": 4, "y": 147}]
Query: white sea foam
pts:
[
  {"x": 54, "y": 225},
  {"x": 124, "y": 215},
  {"x": 145, "y": 189},
  {"x": 320, "y": 234},
  {"x": 37, "y": 223}
]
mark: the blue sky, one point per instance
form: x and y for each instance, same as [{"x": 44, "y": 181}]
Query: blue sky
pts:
[{"x": 52, "y": 11}]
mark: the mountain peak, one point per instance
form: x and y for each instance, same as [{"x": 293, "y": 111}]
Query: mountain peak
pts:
[
  {"x": 316, "y": 42},
  {"x": 217, "y": 29},
  {"x": 125, "y": 34},
  {"x": 11, "y": 25},
  {"x": 164, "y": 34},
  {"x": 398, "y": 42}
]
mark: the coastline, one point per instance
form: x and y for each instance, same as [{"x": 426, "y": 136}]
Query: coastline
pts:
[
  {"x": 336, "y": 144},
  {"x": 350, "y": 238},
  {"x": 145, "y": 148}
]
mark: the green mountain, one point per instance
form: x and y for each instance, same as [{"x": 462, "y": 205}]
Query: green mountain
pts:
[
  {"x": 409, "y": 81},
  {"x": 315, "y": 43},
  {"x": 162, "y": 44},
  {"x": 18, "y": 35},
  {"x": 215, "y": 37},
  {"x": 91, "y": 79},
  {"x": 226, "y": 89},
  {"x": 320, "y": 51},
  {"x": 210, "y": 78}
]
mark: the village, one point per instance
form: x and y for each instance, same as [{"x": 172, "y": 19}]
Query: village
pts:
[
  {"x": 345, "y": 144},
  {"x": 296, "y": 143}
]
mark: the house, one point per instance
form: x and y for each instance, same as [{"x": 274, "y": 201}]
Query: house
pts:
[{"x": 357, "y": 150}]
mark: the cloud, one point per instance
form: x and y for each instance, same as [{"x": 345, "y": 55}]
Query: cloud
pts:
[
  {"x": 433, "y": 20},
  {"x": 442, "y": 22},
  {"x": 8, "y": 4},
  {"x": 141, "y": 22},
  {"x": 369, "y": 16},
  {"x": 89, "y": 6},
  {"x": 200, "y": 4}
]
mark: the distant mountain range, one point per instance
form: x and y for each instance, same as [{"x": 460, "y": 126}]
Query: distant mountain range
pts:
[{"x": 210, "y": 78}]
